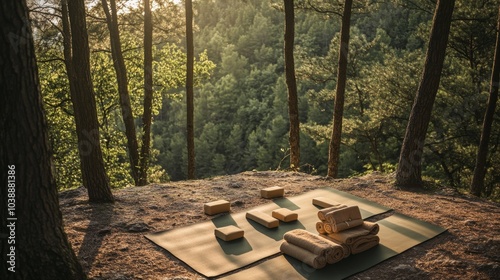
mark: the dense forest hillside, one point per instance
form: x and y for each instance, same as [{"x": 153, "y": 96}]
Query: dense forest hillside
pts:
[{"x": 241, "y": 118}]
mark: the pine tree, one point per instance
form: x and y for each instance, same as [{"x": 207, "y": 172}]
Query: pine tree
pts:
[
  {"x": 334, "y": 147},
  {"x": 37, "y": 247},
  {"x": 477, "y": 185},
  {"x": 84, "y": 106},
  {"x": 409, "y": 171},
  {"x": 293, "y": 108}
]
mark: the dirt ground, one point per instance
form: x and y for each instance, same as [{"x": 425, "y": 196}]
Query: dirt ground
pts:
[{"x": 109, "y": 239}]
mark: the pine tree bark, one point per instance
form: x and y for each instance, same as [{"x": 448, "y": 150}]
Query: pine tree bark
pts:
[
  {"x": 66, "y": 29},
  {"x": 121, "y": 78},
  {"x": 293, "y": 108},
  {"x": 338, "y": 110},
  {"x": 477, "y": 185},
  {"x": 190, "y": 89},
  {"x": 409, "y": 171},
  {"x": 148, "y": 94},
  {"x": 36, "y": 247},
  {"x": 84, "y": 106}
]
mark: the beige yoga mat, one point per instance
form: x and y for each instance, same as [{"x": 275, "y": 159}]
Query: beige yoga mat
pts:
[
  {"x": 398, "y": 233},
  {"x": 197, "y": 246}
]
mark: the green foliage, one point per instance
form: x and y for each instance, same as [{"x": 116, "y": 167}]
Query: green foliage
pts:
[
  {"x": 62, "y": 130},
  {"x": 169, "y": 74},
  {"x": 241, "y": 117}
]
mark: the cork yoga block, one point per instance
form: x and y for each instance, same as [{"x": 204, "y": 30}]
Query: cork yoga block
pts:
[
  {"x": 324, "y": 202},
  {"x": 285, "y": 215},
  {"x": 229, "y": 233},
  {"x": 272, "y": 192},
  {"x": 216, "y": 207},
  {"x": 263, "y": 219}
]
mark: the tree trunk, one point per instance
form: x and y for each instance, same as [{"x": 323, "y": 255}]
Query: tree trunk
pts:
[
  {"x": 66, "y": 29},
  {"x": 121, "y": 78},
  {"x": 338, "y": 110},
  {"x": 35, "y": 245},
  {"x": 84, "y": 106},
  {"x": 293, "y": 108},
  {"x": 190, "y": 89},
  {"x": 477, "y": 185},
  {"x": 148, "y": 94},
  {"x": 409, "y": 171}
]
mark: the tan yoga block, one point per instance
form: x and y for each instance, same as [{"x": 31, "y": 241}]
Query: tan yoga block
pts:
[
  {"x": 285, "y": 215},
  {"x": 229, "y": 233},
  {"x": 272, "y": 192},
  {"x": 216, "y": 207},
  {"x": 263, "y": 219},
  {"x": 323, "y": 202}
]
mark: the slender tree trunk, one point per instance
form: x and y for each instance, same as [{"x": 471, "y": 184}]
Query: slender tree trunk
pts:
[
  {"x": 148, "y": 94},
  {"x": 84, "y": 106},
  {"x": 293, "y": 107},
  {"x": 477, "y": 185},
  {"x": 35, "y": 244},
  {"x": 409, "y": 171},
  {"x": 67, "y": 45},
  {"x": 190, "y": 89},
  {"x": 338, "y": 110},
  {"x": 121, "y": 77}
]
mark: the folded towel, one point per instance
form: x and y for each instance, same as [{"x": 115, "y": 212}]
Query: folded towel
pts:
[
  {"x": 303, "y": 255},
  {"x": 348, "y": 236},
  {"x": 364, "y": 243},
  {"x": 322, "y": 213},
  {"x": 320, "y": 227},
  {"x": 332, "y": 251},
  {"x": 345, "y": 248},
  {"x": 344, "y": 218}
]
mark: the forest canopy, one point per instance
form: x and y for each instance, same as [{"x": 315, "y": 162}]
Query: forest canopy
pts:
[{"x": 240, "y": 96}]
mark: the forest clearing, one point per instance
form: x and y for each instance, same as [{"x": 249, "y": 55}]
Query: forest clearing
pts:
[
  {"x": 109, "y": 239},
  {"x": 124, "y": 122}
]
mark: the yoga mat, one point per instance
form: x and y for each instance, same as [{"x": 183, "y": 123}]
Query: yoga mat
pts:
[
  {"x": 398, "y": 233},
  {"x": 197, "y": 246}
]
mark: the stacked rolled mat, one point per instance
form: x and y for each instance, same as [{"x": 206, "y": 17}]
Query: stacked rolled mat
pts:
[
  {"x": 311, "y": 249},
  {"x": 342, "y": 232},
  {"x": 343, "y": 224}
]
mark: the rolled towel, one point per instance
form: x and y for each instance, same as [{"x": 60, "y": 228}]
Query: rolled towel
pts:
[
  {"x": 328, "y": 227},
  {"x": 320, "y": 227},
  {"x": 364, "y": 243},
  {"x": 303, "y": 255},
  {"x": 373, "y": 228},
  {"x": 344, "y": 218},
  {"x": 345, "y": 248},
  {"x": 348, "y": 236},
  {"x": 336, "y": 255},
  {"x": 322, "y": 213},
  {"x": 314, "y": 243}
]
